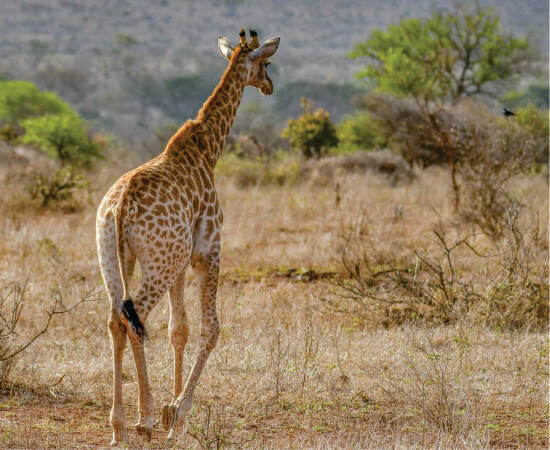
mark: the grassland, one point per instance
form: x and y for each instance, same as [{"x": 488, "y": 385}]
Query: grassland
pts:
[{"x": 287, "y": 372}]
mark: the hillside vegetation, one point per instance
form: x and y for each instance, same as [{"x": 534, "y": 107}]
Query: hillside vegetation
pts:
[{"x": 131, "y": 70}]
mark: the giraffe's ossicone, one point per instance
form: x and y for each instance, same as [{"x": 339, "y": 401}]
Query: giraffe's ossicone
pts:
[{"x": 165, "y": 215}]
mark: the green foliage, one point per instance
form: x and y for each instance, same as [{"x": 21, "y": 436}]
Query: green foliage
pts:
[
  {"x": 57, "y": 189},
  {"x": 361, "y": 131},
  {"x": 312, "y": 132},
  {"x": 535, "y": 122},
  {"x": 20, "y": 100},
  {"x": 61, "y": 136},
  {"x": 446, "y": 56},
  {"x": 536, "y": 93}
]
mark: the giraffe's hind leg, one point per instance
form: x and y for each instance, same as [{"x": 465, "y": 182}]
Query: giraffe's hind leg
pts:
[
  {"x": 179, "y": 334},
  {"x": 118, "y": 344},
  {"x": 154, "y": 285},
  {"x": 207, "y": 269},
  {"x": 144, "y": 424},
  {"x": 110, "y": 269}
]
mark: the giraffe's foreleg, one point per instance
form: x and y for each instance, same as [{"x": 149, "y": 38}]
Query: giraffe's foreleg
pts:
[
  {"x": 179, "y": 334},
  {"x": 207, "y": 269}
]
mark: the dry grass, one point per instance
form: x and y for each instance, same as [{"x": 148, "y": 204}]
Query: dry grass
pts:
[{"x": 284, "y": 374}]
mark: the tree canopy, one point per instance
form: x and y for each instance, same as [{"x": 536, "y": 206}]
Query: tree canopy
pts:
[
  {"x": 448, "y": 56},
  {"x": 20, "y": 100},
  {"x": 61, "y": 136}
]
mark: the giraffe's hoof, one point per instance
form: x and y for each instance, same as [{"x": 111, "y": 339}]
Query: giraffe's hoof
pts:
[
  {"x": 171, "y": 435},
  {"x": 143, "y": 431},
  {"x": 121, "y": 440},
  {"x": 167, "y": 415}
]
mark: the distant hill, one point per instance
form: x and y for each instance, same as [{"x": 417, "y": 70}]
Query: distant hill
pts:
[{"x": 131, "y": 66}]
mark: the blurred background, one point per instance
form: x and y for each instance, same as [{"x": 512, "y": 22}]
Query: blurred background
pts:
[{"x": 138, "y": 69}]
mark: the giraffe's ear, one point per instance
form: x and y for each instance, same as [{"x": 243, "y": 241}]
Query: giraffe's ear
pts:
[
  {"x": 225, "y": 47},
  {"x": 267, "y": 50}
]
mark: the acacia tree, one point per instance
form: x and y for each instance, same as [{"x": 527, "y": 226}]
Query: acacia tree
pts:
[{"x": 446, "y": 57}]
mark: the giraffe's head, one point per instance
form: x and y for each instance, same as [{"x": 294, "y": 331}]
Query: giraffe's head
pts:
[{"x": 254, "y": 57}]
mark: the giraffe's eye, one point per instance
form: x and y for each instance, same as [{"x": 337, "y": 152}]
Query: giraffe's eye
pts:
[{"x": 267, "y": 63}]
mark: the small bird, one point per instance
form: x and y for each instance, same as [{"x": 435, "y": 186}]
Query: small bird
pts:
[{"x": 507, "y": 112}]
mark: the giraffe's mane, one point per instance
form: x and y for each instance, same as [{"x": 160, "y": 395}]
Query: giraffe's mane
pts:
[{"x": 185, "y": 130}]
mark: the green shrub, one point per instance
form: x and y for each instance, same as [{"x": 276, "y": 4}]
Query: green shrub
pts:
[
  {"x": 312, "y": 132},
  {"x": 63, "y": 137},
  {"x": 20, "y": 100},
  {"x": 57, "y": 189},
  {"x": 535, "y": 122},
  {"x": 361, "y": 131}
]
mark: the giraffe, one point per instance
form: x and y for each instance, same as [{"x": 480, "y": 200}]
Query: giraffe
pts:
[{"x": 165, "y": 215}]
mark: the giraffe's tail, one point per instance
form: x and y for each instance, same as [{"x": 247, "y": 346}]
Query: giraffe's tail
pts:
[{"x": 127, "y": 305}]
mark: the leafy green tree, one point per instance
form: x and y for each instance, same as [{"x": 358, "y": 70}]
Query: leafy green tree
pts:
[
  {"x": 448, "y": 56},
  {"x": 312, "y": 132},
  {"x": 20, "y": 100},
  {"x": 61, "y": 136}
]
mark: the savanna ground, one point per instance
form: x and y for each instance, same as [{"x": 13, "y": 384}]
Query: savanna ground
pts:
[{"x": 291, "y": 368}]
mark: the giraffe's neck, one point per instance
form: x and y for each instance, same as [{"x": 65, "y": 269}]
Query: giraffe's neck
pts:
[{"x": 208, "y": 132}]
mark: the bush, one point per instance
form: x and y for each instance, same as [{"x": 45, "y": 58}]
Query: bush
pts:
[
  {"x": 535, "y": 122},
  {"x": 312, "y": 132},
  {"x": 361, "y": 131},
  {"x": 483, "y": 151},
  {"x": 20, "y": 100},
  {"x": 57, "y": 189},
  {"x": 437, "y": 286},
  {"x": 63, "y": 137}
]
